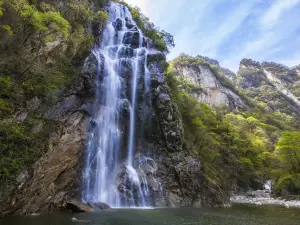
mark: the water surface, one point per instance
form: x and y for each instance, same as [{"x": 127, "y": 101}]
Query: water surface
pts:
[{"x": 238, "y": 214}]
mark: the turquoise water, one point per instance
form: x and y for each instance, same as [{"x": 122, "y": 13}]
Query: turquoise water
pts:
[{"x": 238, "y": 214}]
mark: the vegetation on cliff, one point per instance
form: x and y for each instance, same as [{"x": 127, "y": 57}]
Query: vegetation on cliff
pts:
[
  {"x": 161, "y": 39},
  {"x": 42, "y": 48},
  {"x": 253, "y": 80},
  {"x": 238, "y": 149}
]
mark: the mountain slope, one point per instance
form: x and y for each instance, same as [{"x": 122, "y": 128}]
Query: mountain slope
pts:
[
  {"x": 207, "y": 82},
  {"x": 270, "y": 84}
]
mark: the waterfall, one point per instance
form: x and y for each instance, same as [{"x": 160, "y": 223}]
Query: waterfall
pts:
[{"x": 122, "y": 44}]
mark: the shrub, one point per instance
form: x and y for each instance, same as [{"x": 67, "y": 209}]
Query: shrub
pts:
[{"x": 288, "y": 185}]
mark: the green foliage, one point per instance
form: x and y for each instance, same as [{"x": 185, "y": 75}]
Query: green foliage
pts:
[
  {"x": 288, "y": 184},
  {"x": 5, "y": 93},
  {"x": 19, "y": 146},
  {"x": 102, "y": 15},
  {"x": 4, "y": 107},
  {"x": 42, "y": 47},
  {"x": 7, "y": 28},
  {"x": 1, "y": 9},
  {"x": 161, "y": 39},
  {"x": 5, "y": 86},
  {"x": 47, "y": 21},
  {"x": 236, "y": 149},
  {"x": 288, "y": 149},
  {"x": 79, "y": 13}
]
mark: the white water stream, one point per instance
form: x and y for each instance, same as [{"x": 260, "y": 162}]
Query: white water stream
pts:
[{"x": 122, "y": 42}]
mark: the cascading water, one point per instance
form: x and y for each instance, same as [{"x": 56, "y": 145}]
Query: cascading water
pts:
[{"x": 122, "y": 43}]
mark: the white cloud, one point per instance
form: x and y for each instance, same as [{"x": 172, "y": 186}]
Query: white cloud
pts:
[
  {"x": 204, "y": 28},
  {"x": 278, "y": 24},
  {"x": 276, "y": 10},
  {"x": 138, "y": 3},
  {"x": 142, "y": 4},
  {"x": 226, "y": 28},
  {"x": 294, "y": 61}
]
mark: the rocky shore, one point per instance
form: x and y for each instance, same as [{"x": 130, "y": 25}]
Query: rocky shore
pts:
[{"x": 264, "y": 197}]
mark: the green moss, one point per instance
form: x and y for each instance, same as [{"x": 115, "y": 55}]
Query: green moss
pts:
[{"x": 19, "y": 147}]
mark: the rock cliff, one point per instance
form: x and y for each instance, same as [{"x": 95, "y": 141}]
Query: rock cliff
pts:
[
  {"x": 55, "y": 176},
  {"x": 208, "y": 81},
  {"x": 272, "y": 84}
]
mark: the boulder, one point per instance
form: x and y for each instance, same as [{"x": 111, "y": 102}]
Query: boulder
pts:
[
  {"x": 77, "y": 206},
  {"x": 99, "y": 206}
]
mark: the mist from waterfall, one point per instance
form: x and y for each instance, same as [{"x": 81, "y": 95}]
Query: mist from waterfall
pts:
[{"x": 122, "y": 43}]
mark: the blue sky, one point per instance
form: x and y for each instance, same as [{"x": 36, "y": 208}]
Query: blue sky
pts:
[{"x": 229, "y": 30}]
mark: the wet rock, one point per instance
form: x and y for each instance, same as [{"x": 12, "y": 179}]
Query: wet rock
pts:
[
  {"x": 118, "y": 24},
  {"x": 90, "y": 65},
  {"x": 145, "y": 42},
  {"x": 126, "y": 52},
  {"x": 87, "y": 108},
  {"x": 155, "y": 57},
  {"x": 132, "y": 38},
  {"x": 125, "y": 70},
  {"x": 129, "y": 24},
  {"x": 78, "y": 207},
  {"x": 99, "y": 206},
  {"x": 93, "y": 124},
  {"x": 124, "y": 107},
  {"x": 259, "y": 194},
  {"x": 157, "y": 78}
]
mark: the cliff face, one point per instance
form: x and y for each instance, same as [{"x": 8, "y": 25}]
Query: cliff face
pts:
[
  {"x": 57, "y": 175},
  {"x": 54, "y": 175},
  {"x": 207, "y": 85},
  {"x": 273, "y": 84},
  {"x": 44, "y": 101}
]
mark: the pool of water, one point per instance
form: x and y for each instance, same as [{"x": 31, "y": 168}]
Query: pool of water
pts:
[{"x": 238, "y": 214}]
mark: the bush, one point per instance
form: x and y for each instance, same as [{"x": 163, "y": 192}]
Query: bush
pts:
[{"x": 288, "y": 185}]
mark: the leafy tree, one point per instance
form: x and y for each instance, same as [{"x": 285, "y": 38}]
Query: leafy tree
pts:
[
  {"x": 1, "y": 9},
  {"x": 48, "y": 21},
  {"x": 288, "y": 148}
]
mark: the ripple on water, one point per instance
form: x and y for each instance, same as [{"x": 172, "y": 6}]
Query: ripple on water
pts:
[{"x": 237, "y": 215}]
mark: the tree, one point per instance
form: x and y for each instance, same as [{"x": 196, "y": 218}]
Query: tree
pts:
[
  {"x": 1, "y": 9},
  {"x": 288, "y": 148}
]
